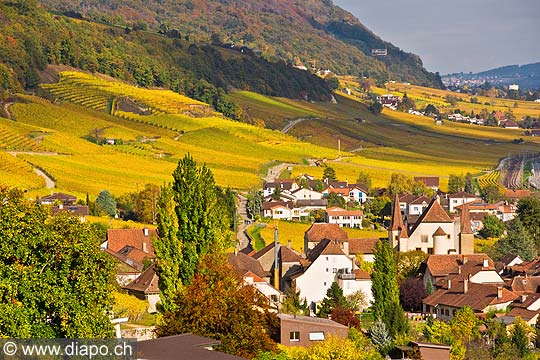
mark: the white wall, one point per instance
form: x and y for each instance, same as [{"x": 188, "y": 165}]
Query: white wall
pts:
[
  {"x": 307, "y": 194},
  {"x": 314, "y": 283},
  {"x": 351, "y": 286},
  {"x": 453, "y": 202},
  {"x": 415, "y": 240}
]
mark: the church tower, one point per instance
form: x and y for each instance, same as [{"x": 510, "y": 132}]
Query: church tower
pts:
[
  {"x": 466, "y": 236},
  {"x": 397, "y": 232}
]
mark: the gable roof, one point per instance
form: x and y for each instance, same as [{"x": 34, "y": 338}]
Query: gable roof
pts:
[
  {"x": 429, "y": 181},
  {"x": 525, "y": 284},
  {"x": 242, "y": 263},
  {"x": 269, "y": 205},
  {"x": 320, "y": 231},
  {"x": 130, "y": 266},
  {"x": 419, "y": 200},
  {"x": 59, "y": 196},
  {"x": 478, "y": 296},
  {"x": 362, "y": 246},
  {"x": 79, "y": 210},
  {"x": 146, "y": 283},
  {"x": 128, "y": 239},
  {"x": 434, "y": 213},
  {"x": 508, "y": 258},
  {"x": 443, "y": 265},
  {"x": 310, "y": 320},
  {"x": 288, "y": 255},
  {"x": 439, "y": 232}
]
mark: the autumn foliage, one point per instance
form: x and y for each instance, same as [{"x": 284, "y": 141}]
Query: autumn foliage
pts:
[{"x": 216, "y": 305}]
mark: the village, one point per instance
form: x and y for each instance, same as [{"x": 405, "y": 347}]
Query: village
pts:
[{"x": 441, "y": 226}]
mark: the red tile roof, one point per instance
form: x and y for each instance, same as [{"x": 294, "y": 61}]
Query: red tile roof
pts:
[
  {"x": 462, "y": 195},
  {"x": 242, "y": 263},
  {"x": 517, "y": 194},
  {"x": 362, "y": 246},
  {"x": 439, "y": 232},
  {"x": 478, "y": 296},
  {"x": 320, "y": 231},
  {"x": 522, "y": 284},
  {"x": 429, "y": 181},
  {"x": 125, "y": 240},
  {"x": 465, "y": 221},
  {"x": 443, "y": 265},
  {"x": 146, "y": 283},
  {"x": 396, "y": 224},
  {"x": 360, "y": 274}
]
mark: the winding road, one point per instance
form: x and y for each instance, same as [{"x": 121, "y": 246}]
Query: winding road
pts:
[{"x": 291, "y": 124}]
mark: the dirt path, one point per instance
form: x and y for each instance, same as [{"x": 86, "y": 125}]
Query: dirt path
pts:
[
  {"x": 275, "y": 171},
  {"x": 44, "y": 153},
  {"x": 291, "y": 124},
  {"x": 6, "y": 110},
  {"x": 49, "y": 183},
  {"x": 243, "y": 240}
]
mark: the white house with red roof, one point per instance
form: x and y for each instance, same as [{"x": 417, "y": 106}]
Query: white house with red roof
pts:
[
  {"x": 357, "y": 280},
  {"x": 320, "y": 270},
  {"x": 344, "y": 218}
]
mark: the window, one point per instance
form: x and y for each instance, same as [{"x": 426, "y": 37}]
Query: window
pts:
[
  {"x": 424, "y": 238},
  {"x": 418, "y": 249},
  {"x": 430, "y": 251},
  {"x": 327, "y": 258},
  {"x": 294, "y": 336},
  {"x": 316, "y": 336},
  {"x": 324, "y": 283},
  {"x": 334, "y": 270},
  {"x": 448, "y": 236},
  {"x": 326, "y": 269}
]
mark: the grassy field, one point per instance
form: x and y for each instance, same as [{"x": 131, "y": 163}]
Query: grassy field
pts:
[{"x": 294, "y": 231}]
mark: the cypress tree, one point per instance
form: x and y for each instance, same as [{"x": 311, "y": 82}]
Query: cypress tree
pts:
[
  {"x": 386, "y": 306},
  {"x": 191, "y": 223}
]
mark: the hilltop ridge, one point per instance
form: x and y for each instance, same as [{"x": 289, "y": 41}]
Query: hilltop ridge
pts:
[{"x": 306, "y": 32}]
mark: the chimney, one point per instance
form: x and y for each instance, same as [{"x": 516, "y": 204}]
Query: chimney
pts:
[
  {"x": 499, "y": 292},
  {"x": 465, "y": 260},
  {"x": 486, "y": 263},
  {"x": 449, "y": 284},
  {"x": 145, "y": 231},
  {"x": 144, "y": 247},
  {"x": 465, "y": 286},
  {"x": 289, "y": 244}
]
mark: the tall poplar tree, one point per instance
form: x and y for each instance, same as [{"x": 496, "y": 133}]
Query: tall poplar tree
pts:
[
  {"x": 386, "y": 305},
  {"x": 192, "y": 222}
]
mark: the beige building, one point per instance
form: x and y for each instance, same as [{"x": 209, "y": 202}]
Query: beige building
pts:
[{"x": 434, "y": 232}]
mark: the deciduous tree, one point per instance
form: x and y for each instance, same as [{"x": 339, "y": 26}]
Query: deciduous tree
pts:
[
  {"x": 218, "y": 306},
  {"x": 54, "y": 280}
]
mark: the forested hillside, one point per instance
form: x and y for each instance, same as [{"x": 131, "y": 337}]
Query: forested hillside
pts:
[
  {"x": 32, "y": 38},
  {"x": 309, "y": 32}
]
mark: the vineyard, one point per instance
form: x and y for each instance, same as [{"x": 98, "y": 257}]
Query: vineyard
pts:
[
  {"x": 491, "y": 179},
  {"x": 100, "y": 94},
  {"x": 15, "y": 172},
  {"x": 512, "y": 172},
  {"x": 534, "y": 179}
]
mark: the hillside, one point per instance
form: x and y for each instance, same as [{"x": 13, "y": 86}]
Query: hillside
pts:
[
  {"x": 152, "y": 130},
  {"x": 31, "y": 39},
  {"x": 304, "y": 32}
]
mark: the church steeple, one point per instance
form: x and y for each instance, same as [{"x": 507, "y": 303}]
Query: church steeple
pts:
[{"x": 397, "y": 232}]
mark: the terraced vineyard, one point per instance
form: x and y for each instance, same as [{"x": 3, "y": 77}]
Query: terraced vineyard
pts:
[
  {"x": 491, "y": 179},
  {"x": 97, "y": 93},
  {"x": 512, "y": 172},
  {"x": 15, "y": 172}
]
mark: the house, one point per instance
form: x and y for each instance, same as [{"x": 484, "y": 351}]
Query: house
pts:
[
  {"x": 278, "y": 210},
  {"x": 306, "y": 194},
  {"x": 477, "y": 268},
  {"x": 80, "y": 211},
  {"x": 145, "y": 287},
  {"x": 242, "y": 264},
  {"x": 460, "y": 198},
  {"x": 344, "y": 218},
  {"x": 288, "y": 261},
  {"x": 135, "y": 244},
  {"x": 308, "y": 205},
  {"x": 434, "y": 232},
  {"x": 282, "y": 184},
  {"x": 511, "y": 260},
  {"x": 320, "y": 231},
  {"x": 296, "y": 330},
  {"x": 126, "y": 269},
  {"x": 357, "y": 280},
  {"x": 358, "y": 193},
  {"x": 510, "y": 125},
  {"x": 527, "y": 307},
  {"x": 525, "y": 284},
  {"x": 482, "y": 298},
  {"x": 389, "y": 100},
  {"x": 418, "y": 205},
  {"x": 273, "y": 295},
  {"x": 431, "y": 182},
  {"x": 320, "y": 269},
  {"x": 58, "y": 198},
  {"x": 526, "y": 268},
  {"x": 190, "y": 346}
]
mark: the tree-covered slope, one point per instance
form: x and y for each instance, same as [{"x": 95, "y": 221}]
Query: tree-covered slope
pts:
[
  {"x": 32, "y": 38},
  {"x": 307, "y": 31}
]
